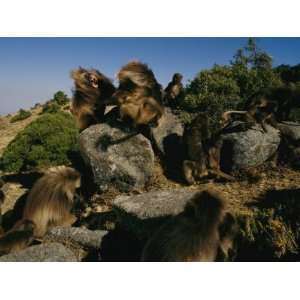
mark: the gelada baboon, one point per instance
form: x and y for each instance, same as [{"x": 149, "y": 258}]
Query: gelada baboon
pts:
[
  {"x": 51, "y": 199},
  {"x": 258, "y": 110},
  {"x": 202, "y": 232},
  {"x": 174, "y": 91},
  {"x": 139, "y": 95},
  {"x": 91, "y": 89},
  {"x": 203, "y": 152},
  {"x": 18, "y": 238}
]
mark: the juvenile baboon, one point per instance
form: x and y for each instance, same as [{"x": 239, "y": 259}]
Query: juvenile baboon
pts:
[
  {"x": 199, "y": 233},
  {"x": 259, "y": 110},
  {"x": 18, "y": 238},
  {"x": 203, "y": 152},
  {"x": 91, "y": 89},
  {"x": 174, "y": 91},
  {"x": 51, "y": 199},
  {"x": 139, "y": 95}
]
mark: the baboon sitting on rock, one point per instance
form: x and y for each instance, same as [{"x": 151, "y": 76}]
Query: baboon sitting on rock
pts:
[
  {"x": 203, "y": 152},
  {"x": 174, "y": 92},
  {"x": 139, "y": 95}
]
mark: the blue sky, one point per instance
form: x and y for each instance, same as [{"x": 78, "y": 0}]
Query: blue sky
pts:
[{"x": 33, "y": 69}]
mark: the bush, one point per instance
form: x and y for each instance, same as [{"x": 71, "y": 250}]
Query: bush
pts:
[
  {"x": 45, "y": 142},
  {"x": 212, "y": 91},
  {"x": 22, "y": 115},
  {"x": 60, "y": 98},
  {"x": 51, "y": 108}
]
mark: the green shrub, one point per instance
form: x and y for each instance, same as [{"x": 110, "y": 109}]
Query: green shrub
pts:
[
  {"x": 45, "y": 142},
  {"x": 212, "y": 91},
  {"x": 22, "y": 115},
  {"x": 50, "y": 108},
  {"x": 60, "y": 98}
]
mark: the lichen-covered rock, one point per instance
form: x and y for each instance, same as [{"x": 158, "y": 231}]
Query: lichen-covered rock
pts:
[
  {"x": 290, "y": 130},
  {"x": 142, "y": 213},
  {"x": 76, "y": 235},
  {"x": 118, "y": 157},
  {"x": 48, "y": 252},
  {"x": 250, "y": 148},
  {"x": 167, "y": 136}
]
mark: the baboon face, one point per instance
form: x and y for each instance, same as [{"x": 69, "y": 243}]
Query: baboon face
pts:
[
  {"x": 75, "y": 177},
  {"x": 93, "y": 80}
]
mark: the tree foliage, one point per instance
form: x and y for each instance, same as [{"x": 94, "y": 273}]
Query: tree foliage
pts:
[
  {"x": 228, "y": 87},
  {"x": 45, "y": 142}
]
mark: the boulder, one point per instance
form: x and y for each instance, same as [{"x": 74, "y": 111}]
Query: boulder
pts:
[
  {"x": 48, "y": 252},
  {"x": 141, "y": 214},
  {"x": 117, "y": 156},
  {"x": 291, "y": 131},
  {"x": 246, "y": 149},
  {"x": 76, "y": 235},
  {"x": 167, "y": 136}
]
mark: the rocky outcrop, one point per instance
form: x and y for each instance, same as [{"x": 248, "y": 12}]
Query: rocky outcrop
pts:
[
  {"x": 48, "y": 252},
  {"x": 118, "y": 158},
  {"x": 250, "y": 148}
]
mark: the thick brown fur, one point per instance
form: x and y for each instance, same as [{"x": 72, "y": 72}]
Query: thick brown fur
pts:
[
  {"x": 199, "y": 233},
  {"x": 92, "y": 88},
  {"x": 174, "y": 91},
  {"x": 18, "y": 238},
  {"x": 203, "y": 154},
  {"x": 51, "y": 199},
  {"x": 139, "y": 95}
]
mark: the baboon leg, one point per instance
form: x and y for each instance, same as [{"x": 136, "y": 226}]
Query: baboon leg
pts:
[
  {"x": 221, "y": 175},
  {"x": 188, "y": 167}
]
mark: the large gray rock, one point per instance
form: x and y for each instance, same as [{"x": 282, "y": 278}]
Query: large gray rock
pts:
[
  {"x": 167, "y": 136},
  {"x": 141, "y": 214},
  {"x": 290, "y": 130},
  {"x": 48, "y": 252},
  {"x": 117, "y": 157},
  {"x": 250, "y": 148},
  {"x": 76, "y": 235}
]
